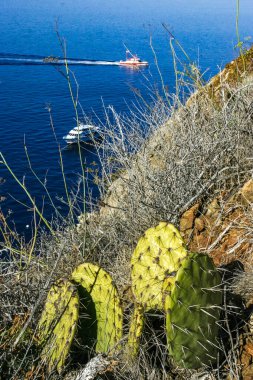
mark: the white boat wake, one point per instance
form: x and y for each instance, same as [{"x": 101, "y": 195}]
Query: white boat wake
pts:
[{"x": 18, "y": 59}]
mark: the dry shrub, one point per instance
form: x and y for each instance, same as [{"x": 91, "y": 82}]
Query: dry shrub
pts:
[{"x": 191, "y": 156}]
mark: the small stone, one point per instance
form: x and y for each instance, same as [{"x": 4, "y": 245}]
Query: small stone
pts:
[
  {"x": 199, "y": 224},
  {"x": 251, "y": 323},
  {"x": 213, "y": 208},
  {"x": 247, "y": 374},
  {"x": 249, "y": 348},
  {"x": 245, "y": 359},
  {"x": 187, "y": 219},
  {"x": 246, "y": 193}
]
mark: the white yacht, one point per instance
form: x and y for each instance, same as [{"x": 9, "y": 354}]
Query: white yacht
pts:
[
  {"x": 132, "y": 60},
  {"x": 83, "y": 133}
]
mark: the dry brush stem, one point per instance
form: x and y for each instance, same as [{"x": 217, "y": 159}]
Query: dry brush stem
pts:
[{"x": 97, "y": 365}]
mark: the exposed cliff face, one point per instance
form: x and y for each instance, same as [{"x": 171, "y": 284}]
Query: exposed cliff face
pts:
[{"x": 223, "y": 228}]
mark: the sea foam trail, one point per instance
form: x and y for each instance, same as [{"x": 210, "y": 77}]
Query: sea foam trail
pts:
[{"x": 19, "y": 59}]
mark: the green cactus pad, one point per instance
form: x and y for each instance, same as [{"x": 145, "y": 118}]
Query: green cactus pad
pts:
[
  {"x": 135, "y": 330},
  {"x": 57, "y": 325},
  {"x": 192, "y": 308},
  {"x": 108, "y": 311},
  {"x": 157, "y": 256}
]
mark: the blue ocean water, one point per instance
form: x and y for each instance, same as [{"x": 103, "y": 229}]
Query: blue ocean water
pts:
[{"x": 94, "y": 30}]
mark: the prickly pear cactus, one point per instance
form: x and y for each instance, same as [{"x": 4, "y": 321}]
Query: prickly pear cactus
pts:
[
  {"x": 192, "y": 307},
  {"x": 108, "y": 311},
  {"x": 157, "y": 256},
  {"x": 135, "y": 330},
  {"x": 58, "y": 323}
]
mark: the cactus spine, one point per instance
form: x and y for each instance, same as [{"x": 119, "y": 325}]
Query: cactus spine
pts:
[
  {"x": 157, "y": 256},
  {"x": 58, "y": 324},
  {"x": 109, "y": 314},
  {"x": 135, "y": 330},
  {"x": 192, "y": 308}
]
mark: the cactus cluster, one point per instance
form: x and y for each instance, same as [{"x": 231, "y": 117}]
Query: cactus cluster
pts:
[
  {"x": 135, "y": 330},
  {"x": 166, "y": 277},
  {"x": 109, "y": 315},
  {"x": 157, "y": 256},
  {"x": 186, "y": 286},
  {"x": 57, "y": 326},
  {"x": 192, "y": 308},
  {"x": 60, "y": 317}
]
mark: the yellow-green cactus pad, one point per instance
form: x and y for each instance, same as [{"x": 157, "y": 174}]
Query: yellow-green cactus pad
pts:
[
  {"x": 192, "y": 309},
  {"x": 157, "y": 256},
  {"x": 57, "y": 325},
  {"x": 108, "y": 311},
  {"x": 135, "y": 330}
]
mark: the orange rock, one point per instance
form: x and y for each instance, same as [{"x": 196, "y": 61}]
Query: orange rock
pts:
[
  {"x": 245, "y": 359},
  {"x": 213, "y": 208},
  {"x": 247, "y": 374},
  {"x": 249, "y": 348},
  {"x": 187, "y": 219},
  {"x": 202, "y": 242},
  {"x": 199, "y": 224},
  {"x": 246, "y": 193},
  {"x": 224, "y": 231}
]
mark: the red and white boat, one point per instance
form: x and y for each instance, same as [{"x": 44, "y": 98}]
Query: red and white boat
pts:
[{"x": 132, "y": 60}]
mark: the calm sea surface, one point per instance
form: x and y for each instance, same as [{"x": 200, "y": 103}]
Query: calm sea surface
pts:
[{"x": 98, "y": 30}]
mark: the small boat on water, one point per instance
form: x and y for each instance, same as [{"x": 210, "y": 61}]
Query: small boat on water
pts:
[
  {"x": 132, "y": 60},
  {"x": 82, "y": 133}
]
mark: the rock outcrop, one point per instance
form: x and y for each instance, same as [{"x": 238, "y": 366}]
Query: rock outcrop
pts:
[
  {"x": 224, "y": 228},
  {"x": 220, "y": 85}
]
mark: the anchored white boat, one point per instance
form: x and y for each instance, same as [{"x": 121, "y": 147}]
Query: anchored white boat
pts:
[
  {"x": 132, "y": 60},
  {"x": 83, "y": 133}
]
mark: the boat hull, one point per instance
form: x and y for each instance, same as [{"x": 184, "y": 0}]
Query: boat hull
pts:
[
  {"x": 82, "y": 140},
  {"x": 135, "y": 64},
  {"x": 88, "y": 139},
  {"x": 83, "y": 134}
]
